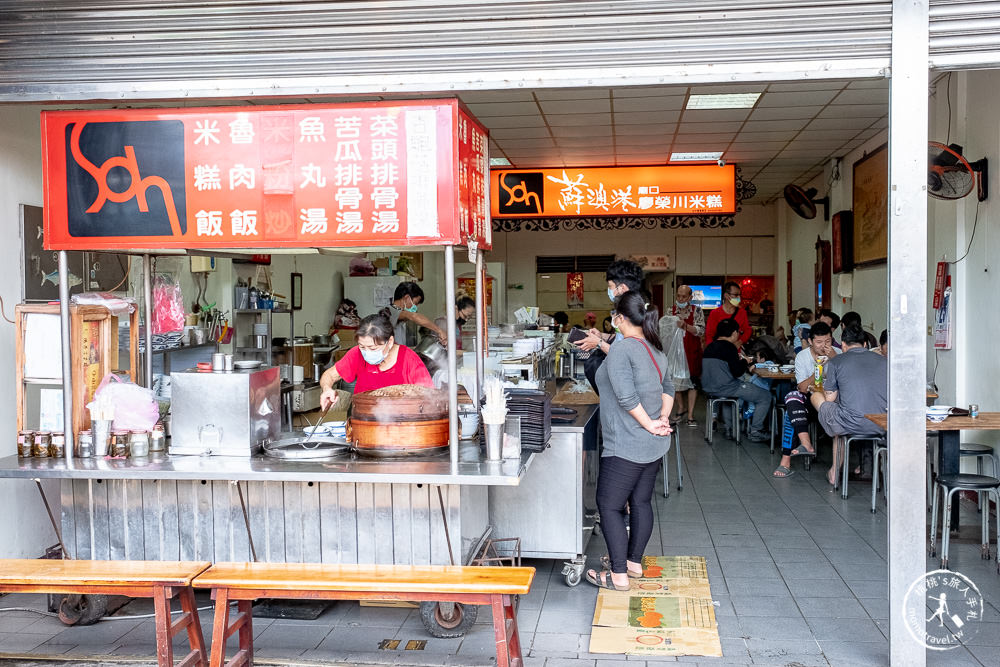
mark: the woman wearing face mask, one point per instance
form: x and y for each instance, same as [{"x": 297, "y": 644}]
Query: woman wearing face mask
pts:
[
  {"x": 636, "y": 398},
  {"x": 377, "y": 361},
  {"x": 730, "y": 310}
]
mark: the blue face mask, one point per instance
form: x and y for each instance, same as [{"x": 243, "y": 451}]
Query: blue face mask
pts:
[
  {"x": 611, "y": 294},
  {"x": 681, "y": 304},
  {"x": 412, "y": 308},
  {"x": 373, "y": 357}
]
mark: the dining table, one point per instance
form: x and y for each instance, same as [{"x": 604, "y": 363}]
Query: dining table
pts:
[{"x": 949, "y": 440}]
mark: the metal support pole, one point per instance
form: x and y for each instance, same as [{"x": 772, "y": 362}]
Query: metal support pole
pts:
[
  {"x": 147, "y": 316},
  {"x": 246, "y": 518},
  {"x": 450, "y": 314},
  {"x": 480, "y": 325},
  {"x": 52, "y": 519},
  {"x": 908, "y": 321},
  {"x": 67, "y": 364}
]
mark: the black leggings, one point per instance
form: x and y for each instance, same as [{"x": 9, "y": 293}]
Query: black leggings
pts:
[
  {"x": 622, "y": 482},
  {"x": 797, "y": 410}
]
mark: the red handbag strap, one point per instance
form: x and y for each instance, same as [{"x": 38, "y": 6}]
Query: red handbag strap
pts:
[{"x": 651, "y": 357}]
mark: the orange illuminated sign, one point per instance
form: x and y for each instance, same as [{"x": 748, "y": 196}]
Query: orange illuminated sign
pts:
[{"x": 654, "y": 190}]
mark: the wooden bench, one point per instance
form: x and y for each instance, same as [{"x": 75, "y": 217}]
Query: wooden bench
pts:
[
  {"x": 246, "y": 582},
  {"x": 161, "y": 581}
]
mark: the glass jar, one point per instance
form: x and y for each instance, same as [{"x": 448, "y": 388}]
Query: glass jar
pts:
[
  {"x": 57, "y": 445},
  {"x": 40, "y": 448},
  {"x": 157, "y": 439},
  {"x": 85, "y": 444},
  {"x": 138, "y": 444},
  {"x": 119, "y": 444},
  {"x": 25, "y": 439}
]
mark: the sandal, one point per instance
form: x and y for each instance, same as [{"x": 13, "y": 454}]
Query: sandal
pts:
[
  {"x": 781, "y": 472},
  {"x": 692, "y": 423},
  {"x": 606, "y": 564},
  {"x": 802, "y": 451},
  {"x": 604, "y": 580}
]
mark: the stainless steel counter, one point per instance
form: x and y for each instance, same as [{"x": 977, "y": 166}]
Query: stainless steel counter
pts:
[{"x": 472, "y": 469}]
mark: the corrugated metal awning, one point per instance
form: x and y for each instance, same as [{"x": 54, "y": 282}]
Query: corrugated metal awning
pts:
[
  {"x": 92, "y": 49},
  {"x": 964, "y": 34}
]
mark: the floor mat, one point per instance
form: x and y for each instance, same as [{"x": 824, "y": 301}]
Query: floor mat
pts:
[{"x": 668, "y": 611}]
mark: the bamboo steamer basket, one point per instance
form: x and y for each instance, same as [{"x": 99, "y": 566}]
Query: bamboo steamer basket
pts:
[{"x": 403, "y": 420}]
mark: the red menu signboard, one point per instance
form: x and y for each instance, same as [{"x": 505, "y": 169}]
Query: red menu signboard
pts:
[{"x": 365, "y": 174}]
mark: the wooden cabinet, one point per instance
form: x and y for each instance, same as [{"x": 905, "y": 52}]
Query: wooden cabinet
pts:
[{"x": 94, "y": 336}]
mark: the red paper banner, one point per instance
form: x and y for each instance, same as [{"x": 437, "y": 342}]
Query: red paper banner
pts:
[{"x": 365, "y": 174}]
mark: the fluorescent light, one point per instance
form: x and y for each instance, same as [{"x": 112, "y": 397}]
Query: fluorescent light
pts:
[
  {"x": 724, "y": 101},
  {"x": 499, "y": 162},
  {"x": 696, "y": 157}
]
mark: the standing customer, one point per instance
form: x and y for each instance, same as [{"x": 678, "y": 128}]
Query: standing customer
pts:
[
  {"x": 691, "y": 319},
  {"x": 729, "y": 310},
  {"x": 636, "y": 398}
]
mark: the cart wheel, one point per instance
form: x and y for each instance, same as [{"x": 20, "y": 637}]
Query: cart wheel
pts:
[
  {"x": 447, "y": 620},
  {"x": 82, "y": 609},
  {"x": 572, "y": 578}
]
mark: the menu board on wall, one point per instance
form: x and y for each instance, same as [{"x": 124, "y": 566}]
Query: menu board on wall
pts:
[{"x": 361, "y": 174}]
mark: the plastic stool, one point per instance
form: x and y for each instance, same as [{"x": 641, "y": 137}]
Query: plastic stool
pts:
[
  {"x": 676, "y": 444},
  {"x": 949, "y": 484},
  {"x": 876, "y": 440},
  {"x": 710, "y": 417}
]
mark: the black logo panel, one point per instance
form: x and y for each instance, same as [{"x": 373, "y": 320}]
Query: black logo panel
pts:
[{"x": 522, "y": 193}]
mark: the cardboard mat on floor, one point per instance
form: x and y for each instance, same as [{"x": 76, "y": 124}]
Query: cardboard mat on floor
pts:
[{"x": 668, "y": 611}]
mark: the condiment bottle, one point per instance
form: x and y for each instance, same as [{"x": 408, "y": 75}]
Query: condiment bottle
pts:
[
  {"x": 85, "y": 444},
  {"x": 119, "y": 444},
  {"x": 138, "y": 444},
  {"x": 157, "y": 439},
  {"x": 40, "y": 448},
  {"x": 25, "y": 439},
  {"x": 818, "y": 376},
  {"x": 57, "y": 445}
]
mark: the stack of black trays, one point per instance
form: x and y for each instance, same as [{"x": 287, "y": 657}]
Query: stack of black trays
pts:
[{"x": 534, "y": 407}]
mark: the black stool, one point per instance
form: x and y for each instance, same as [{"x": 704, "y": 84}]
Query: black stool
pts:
[{"x": 949, "y": 484}]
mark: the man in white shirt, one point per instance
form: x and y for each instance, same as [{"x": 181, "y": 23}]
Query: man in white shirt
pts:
[{"x": 819, "y": 344}]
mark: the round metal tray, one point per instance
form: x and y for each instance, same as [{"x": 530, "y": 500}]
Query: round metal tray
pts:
[{"x": 319, "y": 448}]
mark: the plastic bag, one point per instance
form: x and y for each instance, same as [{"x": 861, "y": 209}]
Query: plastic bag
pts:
[
  {"x": 133, "y": 407},
  {"x": 168, "y": 305},
  {"x": 116, "y": 304},
  {"x": 677, "y": 361}
]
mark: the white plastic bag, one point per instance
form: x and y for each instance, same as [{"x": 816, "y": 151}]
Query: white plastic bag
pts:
[
  {"x": 133, "y": 407},
  {"x": 677, "y": 360}
]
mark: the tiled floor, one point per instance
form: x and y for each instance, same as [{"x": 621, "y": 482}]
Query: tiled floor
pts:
[{"x": 799, "y": 576}]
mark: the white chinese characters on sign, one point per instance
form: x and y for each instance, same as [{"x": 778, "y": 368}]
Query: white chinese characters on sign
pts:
[{"x": 575, "y": 192}]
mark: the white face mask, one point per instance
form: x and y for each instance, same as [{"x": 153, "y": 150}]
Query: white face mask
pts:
[
  {"x": 735, "y": 301},
  {"x": 373, "y": 357}
]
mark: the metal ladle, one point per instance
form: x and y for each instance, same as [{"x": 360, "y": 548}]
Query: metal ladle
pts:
[{"x": 314, "y": 426}]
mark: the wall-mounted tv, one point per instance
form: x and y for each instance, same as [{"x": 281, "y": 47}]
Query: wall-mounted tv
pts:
[{"x": 706, "y": 296}]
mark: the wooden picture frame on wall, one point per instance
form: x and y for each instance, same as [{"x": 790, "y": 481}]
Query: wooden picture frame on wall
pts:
[
  {"x": 870, "y": 204},
  {"x": 842, "y": 233}
]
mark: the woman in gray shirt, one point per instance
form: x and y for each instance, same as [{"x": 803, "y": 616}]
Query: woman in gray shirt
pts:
[{"x": 636, "y": 398}]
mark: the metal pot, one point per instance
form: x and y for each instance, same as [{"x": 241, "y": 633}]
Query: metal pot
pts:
[
  {"x": 433, "y": 352},
  {"x": 321, "y": 340}
]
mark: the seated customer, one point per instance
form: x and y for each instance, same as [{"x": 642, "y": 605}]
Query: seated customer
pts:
[
  {"x": 804, "y": 317},
  {"x": 721, "y": 371},
  {"x": 855, "y": 383},
  {"x": 819, "y": 343}
]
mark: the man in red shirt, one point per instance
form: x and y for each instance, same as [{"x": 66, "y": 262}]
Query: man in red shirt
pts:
[{"x": 730, "y": 309}]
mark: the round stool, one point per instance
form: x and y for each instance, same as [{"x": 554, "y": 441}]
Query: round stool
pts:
[
  {"x": 949, "y": 484},
  {"x": 981, "y": 452}
]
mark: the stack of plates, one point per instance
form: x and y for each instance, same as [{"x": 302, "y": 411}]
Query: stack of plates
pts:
[
  {"x": 787, "y": 368},
  {"x": 534, "y": 407}
]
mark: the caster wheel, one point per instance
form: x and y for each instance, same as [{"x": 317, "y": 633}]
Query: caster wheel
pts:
[
  {"x": 82, "y": 609},
  {"x": 447, "y": 620},
  {"x": 572, "y": 578}
]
